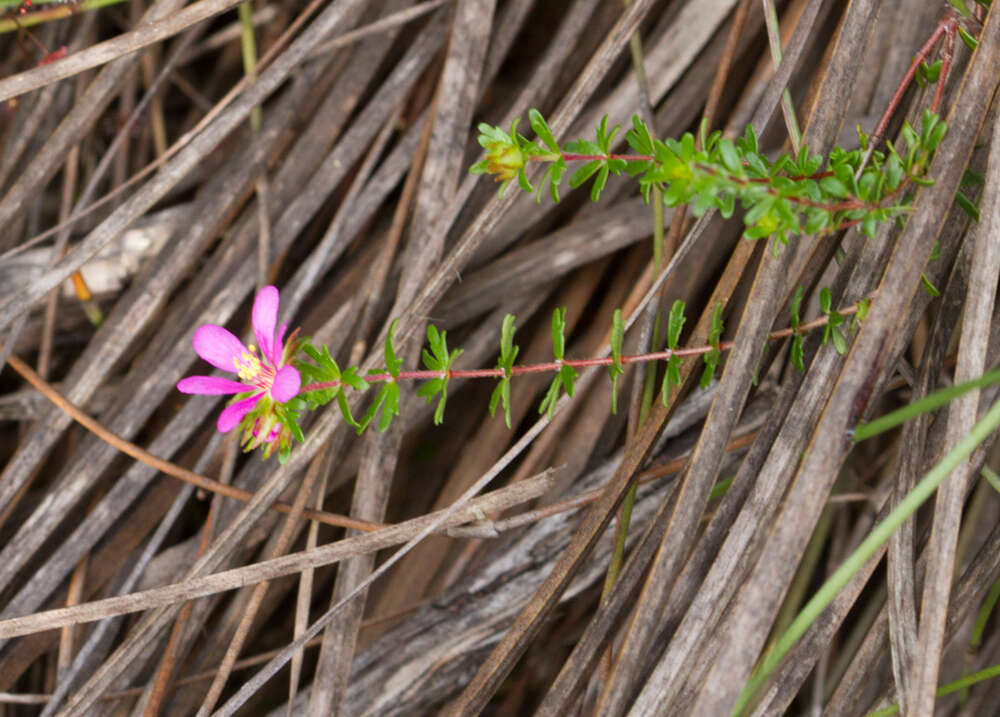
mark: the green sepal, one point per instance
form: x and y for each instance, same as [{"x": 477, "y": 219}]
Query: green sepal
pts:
[{"x": 288, "y": 414}]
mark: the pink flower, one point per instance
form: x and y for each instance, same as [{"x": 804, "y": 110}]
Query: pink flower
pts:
[{"x": 266, "y": 375}]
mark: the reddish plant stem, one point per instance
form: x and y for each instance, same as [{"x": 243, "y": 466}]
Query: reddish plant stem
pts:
[
  {"x": 947, "y": 53},
  {"x": 601, "y": 157},
  {"x": 551, "y": 366},
  {"x": 947, "y": 27}
]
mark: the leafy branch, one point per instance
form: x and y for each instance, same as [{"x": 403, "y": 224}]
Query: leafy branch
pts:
[
  {"x": 324, "y": 381},
  {"x": 790, "y": 196}
]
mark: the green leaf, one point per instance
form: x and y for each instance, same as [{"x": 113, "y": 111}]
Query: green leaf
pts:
[
  {"x": 616, "y": 370},
  {"x": 749, "y": 140},
  {"x": 834, "y": 187},
  {"x": 501, "y": 394},
  {"x": 522, "y": 180},
  {"x": 392, "y": 363},
  {"x": 711, "y": 363},
  {"x": 930, "y": 72},
  {"x": 433, "y": 359},
  {"x": 555, "y": 174},
  {"x": 429, "y": 390},
  {"x": 825, "y": 300},
  {"x": 508, "y": 351},
  {"x": 859, "y": 316},
  {"x": 726, "y": 204},
  {"x": 639, "y": 137},
  {"x": 796, "y": 307},
  {"x": 894, "y": 171},
  {"x": 928, "y": 286},
  {"x": 967, "y": 205},
  {"x": 542, "y": 130},
  {"x": 971, "y": 178},
  {"x": 391, "y": 407},
  {"x": 548, "y": 405},
  {"x": 962, "y": 8},
  {"x": 604, "y": 138},
  {"x": 349, "y": 377},
  {"x": 839, "y": 341},
  {"x": 863, "y": 307},
  {"x": 387, "y": 401},
  {"x": 869, "y": 226},
  {"x": 937, "y": 135},
  {"x": 671, "y": 377},
  {"x": 675, "y": 324},
  {"x": 581, "y": 175},
  {"x": 567, "y": 374},
  {"x": 715, "y": 333},
  {"x": 816, "y": 220},
  {"x": 558, "y": 333},
  {"x": 508, "y": 354},
  {"x": 598, "y": 187},
  {"x": 345, "y": 411},
  {"x": 730, "y": 157},
  {"x": 797, "y": 353}
]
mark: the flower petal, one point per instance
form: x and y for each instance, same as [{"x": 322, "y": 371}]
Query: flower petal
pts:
[
  {"x": 211, "y": 385},
  {"x": 265, "y": 317},
  {"x": 218, "y": 346},
  {"x": 286, "y": 384},
  {"x": 232, "y": 415}
]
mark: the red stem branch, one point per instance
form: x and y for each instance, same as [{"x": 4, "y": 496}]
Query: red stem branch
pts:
[{"x": 551, "y": 366}]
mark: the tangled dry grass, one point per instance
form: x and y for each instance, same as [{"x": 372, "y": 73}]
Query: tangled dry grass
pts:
[{"x": 140, "y": 159}]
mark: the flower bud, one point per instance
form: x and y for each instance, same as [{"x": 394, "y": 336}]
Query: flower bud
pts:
[{"x": 503, "y": 160}]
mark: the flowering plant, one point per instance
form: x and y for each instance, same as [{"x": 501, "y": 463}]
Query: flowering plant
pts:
[{"x": 276, "y": 385}]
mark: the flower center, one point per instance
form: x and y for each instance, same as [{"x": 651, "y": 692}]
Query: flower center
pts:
[{"x": 251, "y": 369}]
